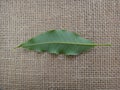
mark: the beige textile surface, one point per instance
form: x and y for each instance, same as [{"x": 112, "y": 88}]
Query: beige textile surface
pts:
[{"x": 97, "y": 20}]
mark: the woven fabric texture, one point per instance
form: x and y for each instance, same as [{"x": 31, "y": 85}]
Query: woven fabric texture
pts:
[{"x": 97, "y": 20}]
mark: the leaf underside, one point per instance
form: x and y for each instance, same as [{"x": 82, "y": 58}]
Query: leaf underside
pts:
[{"x": 58, "y": 42}]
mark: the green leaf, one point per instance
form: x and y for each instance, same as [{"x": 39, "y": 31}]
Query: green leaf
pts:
[{"x": 59, "y": 42}]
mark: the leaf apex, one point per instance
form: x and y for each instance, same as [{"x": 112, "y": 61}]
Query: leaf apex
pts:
[{"x": 19, "y": 46}]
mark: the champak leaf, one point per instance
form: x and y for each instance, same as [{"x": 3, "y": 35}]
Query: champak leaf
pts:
[{"x": 59, "y": 42}]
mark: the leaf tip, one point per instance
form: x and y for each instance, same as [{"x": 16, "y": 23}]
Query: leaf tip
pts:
[{"x": 19, "y": 46}]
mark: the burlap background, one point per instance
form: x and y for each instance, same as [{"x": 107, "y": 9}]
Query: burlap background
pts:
[{"x": 97, "y": 20}]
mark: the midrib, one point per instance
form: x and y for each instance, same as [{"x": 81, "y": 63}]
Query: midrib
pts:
[{"x": 70, "y": 43}]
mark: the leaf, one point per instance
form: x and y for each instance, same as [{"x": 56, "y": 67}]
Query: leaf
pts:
[{"x": 59, "y": 42}]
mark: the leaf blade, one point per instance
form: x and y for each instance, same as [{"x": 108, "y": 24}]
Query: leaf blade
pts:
[{"x": 59, "y": 41}]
